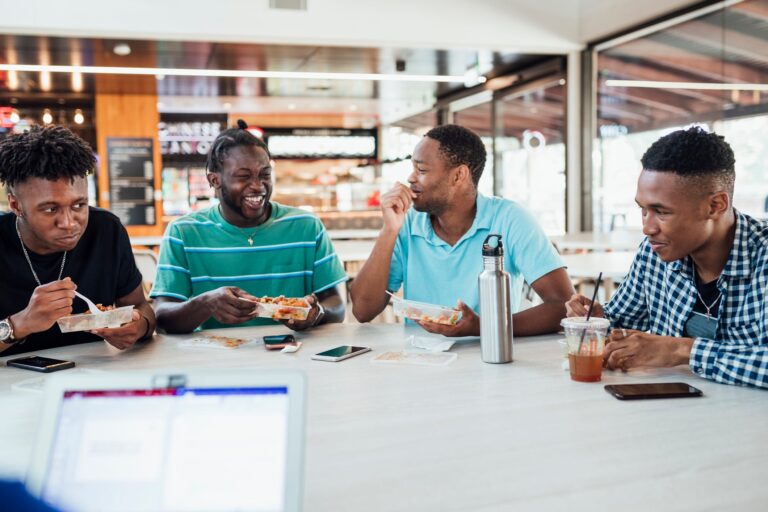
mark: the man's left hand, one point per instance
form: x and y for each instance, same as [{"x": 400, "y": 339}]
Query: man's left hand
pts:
[
  {"x": 649, "y": 350},
  {"x": 126, "y": 335},
  {"x": 468, "y": 325},
  {"x": 310, "y": 321}
]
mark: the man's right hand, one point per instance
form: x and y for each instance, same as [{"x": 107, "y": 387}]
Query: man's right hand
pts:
[
  {"x": 394, "y": 206},
  {"x": 230, "y": 305},
  {"x": 48, "y": 303},
  {"x": 578, "y": 305}
]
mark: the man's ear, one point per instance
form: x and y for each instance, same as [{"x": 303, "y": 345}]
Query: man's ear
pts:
[
  {"x": 214, "y": 179},
  {"x": 719, "y": 203},
  {"x": 463, "y": 174},
  {"x": 14, "y": 204}
]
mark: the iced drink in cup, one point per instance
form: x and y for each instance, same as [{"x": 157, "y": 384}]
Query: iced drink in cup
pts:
[{"x": 585, "y": 343}]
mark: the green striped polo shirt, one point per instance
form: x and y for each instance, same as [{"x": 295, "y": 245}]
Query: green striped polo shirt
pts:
[{"x": 291, "y": 255}]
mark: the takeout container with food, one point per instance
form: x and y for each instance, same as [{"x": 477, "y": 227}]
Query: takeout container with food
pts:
[
  {"x": 422, "y": 312},
  {"x": 87, "y": 321},
  {"x": 282, "y": 308}
]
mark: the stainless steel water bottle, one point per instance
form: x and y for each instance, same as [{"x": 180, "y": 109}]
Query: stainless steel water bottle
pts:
[{"x": 495, "y": 305}]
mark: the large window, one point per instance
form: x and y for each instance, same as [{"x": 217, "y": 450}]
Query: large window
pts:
[{"x": 708, "y": 70}]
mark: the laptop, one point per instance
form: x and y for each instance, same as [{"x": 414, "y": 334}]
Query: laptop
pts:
[{"x": 168, "y": 441}]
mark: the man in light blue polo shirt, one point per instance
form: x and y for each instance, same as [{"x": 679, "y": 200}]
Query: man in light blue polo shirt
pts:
[{"x": 434, "y": 250}]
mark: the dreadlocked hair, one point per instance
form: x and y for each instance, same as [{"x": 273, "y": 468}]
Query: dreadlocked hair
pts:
[
  {"x": 50, "y": 153},
  {"x": 228, "y": 139}
]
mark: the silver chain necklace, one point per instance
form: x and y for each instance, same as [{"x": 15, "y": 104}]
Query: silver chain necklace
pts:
[
  {"x": 696, "y": 287},
  {"x": 29, "y": 261}
]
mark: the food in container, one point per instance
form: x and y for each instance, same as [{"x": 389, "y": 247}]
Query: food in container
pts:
[{"x": 282, "y": 308}]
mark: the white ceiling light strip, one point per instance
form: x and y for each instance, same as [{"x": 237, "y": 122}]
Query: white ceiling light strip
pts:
[
  {"x": 649, "y": 84},
  {"x": 231, "y": 73}
]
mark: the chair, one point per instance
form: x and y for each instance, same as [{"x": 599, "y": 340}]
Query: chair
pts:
[{"x": 146, "y": 261}]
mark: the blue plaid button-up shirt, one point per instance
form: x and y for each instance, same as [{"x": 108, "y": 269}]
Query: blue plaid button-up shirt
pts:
[{"x": 659, "y": 297}]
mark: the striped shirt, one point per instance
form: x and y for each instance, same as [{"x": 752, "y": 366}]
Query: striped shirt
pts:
[
  {"x": 659, "y": 297},
  {"x": 291, "y": 255}
]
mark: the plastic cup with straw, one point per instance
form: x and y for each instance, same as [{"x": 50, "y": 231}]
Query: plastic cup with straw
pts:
[{"x": 589, "y": 311}]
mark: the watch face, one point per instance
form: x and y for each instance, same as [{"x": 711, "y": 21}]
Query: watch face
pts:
[{"x": 5, "y": 330}]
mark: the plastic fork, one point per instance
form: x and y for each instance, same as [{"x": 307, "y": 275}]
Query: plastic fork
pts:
[{"x": 91, "y": 306}]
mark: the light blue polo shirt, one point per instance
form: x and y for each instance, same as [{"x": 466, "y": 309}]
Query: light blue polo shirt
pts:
[{"x": 432, "y": 271}]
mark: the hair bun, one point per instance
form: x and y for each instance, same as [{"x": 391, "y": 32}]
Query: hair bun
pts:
[{"x": 242, "y": 124}]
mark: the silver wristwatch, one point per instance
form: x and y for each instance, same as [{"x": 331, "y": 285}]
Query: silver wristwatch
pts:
[
  {"x": 320, "y": 314},
  {"x": 6, "y": 332}
]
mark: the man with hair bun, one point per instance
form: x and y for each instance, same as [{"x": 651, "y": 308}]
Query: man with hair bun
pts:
[
  {"x": 696, "y": 291},
  {"x": 52, "y": 243},
  {"x": 431, "y": 242},
  {"x": 215, "y": 262}
]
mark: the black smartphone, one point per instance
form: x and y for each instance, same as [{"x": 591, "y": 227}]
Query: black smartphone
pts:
[
  {"x": 656, "y": 390},
  {"x": 278, "y": 341},
  {"x": 40, "y": 364}
]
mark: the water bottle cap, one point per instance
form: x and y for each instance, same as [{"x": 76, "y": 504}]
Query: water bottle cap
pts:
[{"x": 493, "y": 246}]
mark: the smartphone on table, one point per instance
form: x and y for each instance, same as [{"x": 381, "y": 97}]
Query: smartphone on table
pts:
[
  {"x": 655, "y": 390},
  {"x": 40, "y": 364},
  {"x": 279, "y": 341},
  {"x": 340, "y": 353}
]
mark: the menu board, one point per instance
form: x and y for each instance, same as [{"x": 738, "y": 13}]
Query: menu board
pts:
[{"x": 131, "y": 180}]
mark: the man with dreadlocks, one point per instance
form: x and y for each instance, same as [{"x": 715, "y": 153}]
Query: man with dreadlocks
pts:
[
  {"x": 53, "y": 243},
  {"x": 213, "y": 263}
]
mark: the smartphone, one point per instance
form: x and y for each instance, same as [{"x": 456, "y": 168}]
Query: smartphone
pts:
[
  {"x": 279, "y": 341},
  {"x": 40, "y": 364},
  {"x": 657, "y": 390},
  {"x": 340, "y": 353}
]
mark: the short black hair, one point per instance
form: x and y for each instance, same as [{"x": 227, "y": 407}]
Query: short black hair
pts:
[
  {"x": 228, "y": 139},
  {"x": 50, "y": 152},
  {"x": 459, "y": 145},
  {"x": 693, "y": 153}
]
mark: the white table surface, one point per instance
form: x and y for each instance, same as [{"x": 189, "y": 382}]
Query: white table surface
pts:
[
  {"x": 622, "y": 240},
  {"x": 470, "y": 435},
  {"x": 613, "y": 265}
]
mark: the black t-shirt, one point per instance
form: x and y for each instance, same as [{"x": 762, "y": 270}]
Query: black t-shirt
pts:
[{"x": 101, "y": 265}]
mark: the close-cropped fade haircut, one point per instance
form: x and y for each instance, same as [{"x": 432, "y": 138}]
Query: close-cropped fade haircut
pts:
[
  {"x": 50, "y": 153},
  {"x": 231, "y": 138},
  {"x": 459, "y": 145},
  {"x": 693, "y": 153}
]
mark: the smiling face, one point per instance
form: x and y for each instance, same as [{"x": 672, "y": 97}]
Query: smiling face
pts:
[
  {"x": 679, "y": 215},
  {"x": 53, "y": 214},
  {"x": 244, "y": 186},
  {"x": 432, "y": 180}
]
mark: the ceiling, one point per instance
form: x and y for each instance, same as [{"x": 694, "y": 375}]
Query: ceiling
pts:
[{"x": 383, "y": 99}]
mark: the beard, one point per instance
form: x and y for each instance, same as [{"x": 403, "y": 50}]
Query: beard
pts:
[
  {"x": 226, "y": 198},
  {"x": 432, "y": 206}
]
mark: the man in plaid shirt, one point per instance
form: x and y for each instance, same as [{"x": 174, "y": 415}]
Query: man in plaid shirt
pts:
[{"x": 696, "y": 291}]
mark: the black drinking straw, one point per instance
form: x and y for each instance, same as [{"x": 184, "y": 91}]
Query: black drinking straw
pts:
[{"x": 589, "y": 311}]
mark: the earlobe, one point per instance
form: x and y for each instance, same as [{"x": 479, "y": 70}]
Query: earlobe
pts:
[{"x": 213, "y": 179}]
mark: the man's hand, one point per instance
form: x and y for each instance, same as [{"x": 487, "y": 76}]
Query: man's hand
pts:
[
  {"x": 394, "y": 206},
  {"x": 126, "y": 335},
  {"x": 48, "y": 303},
  {"x": 230, "y": 305},
  {"x": 642, "y": 349},
  {"x": 301, "y": 325},
  {"x": 468, "y": 325},
  {"x": 578, "y": 305}
]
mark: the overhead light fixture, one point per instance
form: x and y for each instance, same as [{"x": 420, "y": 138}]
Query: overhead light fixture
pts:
[
  {"x": 15, "y": 117},
  {"x": 47, "y": 117},
  {"x": 77, "y": 81},
  {"x": 227, "y": 105},
  {"x": 231, "y": 73},
  {"x": 79, "y": 117},
  {"x": 13, "y": 80},
  {"x": 122, "y": 49},
  {"x": 704, "y": 86},
  {"x": 45, "y": 80}
]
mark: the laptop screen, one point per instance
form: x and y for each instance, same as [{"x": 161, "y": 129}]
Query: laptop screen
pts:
[{"x": 170, "y": 449}]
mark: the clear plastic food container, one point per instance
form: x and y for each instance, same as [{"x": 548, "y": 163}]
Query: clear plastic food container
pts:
[
  {"x": 277, "y": 311},
  {"x": 87, "y": 321},
  {"x": 420, "y": 311}
]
